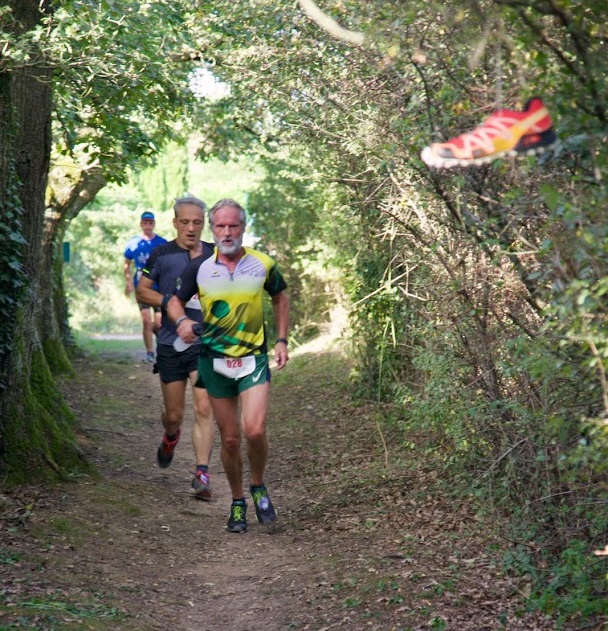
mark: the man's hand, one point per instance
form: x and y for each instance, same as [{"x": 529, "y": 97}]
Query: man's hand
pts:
[
  {"x": 280, "y": 306},
  {"x": 184, "y": 330},
  {"x": 281, "y": 356},
  {"x": 129, "y": 288}
]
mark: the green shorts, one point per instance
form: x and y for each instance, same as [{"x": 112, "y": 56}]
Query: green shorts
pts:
[{"x": 223, "y": 387}]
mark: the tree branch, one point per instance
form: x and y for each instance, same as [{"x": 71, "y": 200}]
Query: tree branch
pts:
[{"x": 329, "y": 25}]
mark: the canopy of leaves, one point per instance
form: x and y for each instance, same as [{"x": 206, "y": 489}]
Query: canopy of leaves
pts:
[{"x": 121, "y": 84}]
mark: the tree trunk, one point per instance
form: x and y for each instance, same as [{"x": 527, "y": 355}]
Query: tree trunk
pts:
[
  {"x": 71, "y": 188},
  {"x": 35, "y": 426}
]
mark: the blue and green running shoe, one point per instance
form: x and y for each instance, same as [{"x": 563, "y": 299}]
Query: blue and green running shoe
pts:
[
  {"x": 264, "y": 510},
  {"x": 237, "y": 522}
]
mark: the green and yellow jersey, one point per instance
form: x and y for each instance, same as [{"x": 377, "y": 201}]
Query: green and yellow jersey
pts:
[{"x": 232, "y": 303}]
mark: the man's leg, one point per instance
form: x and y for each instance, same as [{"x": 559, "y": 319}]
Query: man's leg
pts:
[
  {"x": 254, "y": 402},
  {"x": 226, "y": 414},
  {"x": 174, "y": 394},
  {"x": 148, "y": 336},
  {"x": 203, "y": 433},
  {"x": 253, "y": 419}
]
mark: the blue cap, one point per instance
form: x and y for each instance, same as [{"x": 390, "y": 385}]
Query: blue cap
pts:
[{"x": 147, "y": 215}]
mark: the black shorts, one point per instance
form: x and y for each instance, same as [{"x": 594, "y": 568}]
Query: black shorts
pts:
[
  {"x": 143, "y": 306},
  {"x": 174, "y": 366}
]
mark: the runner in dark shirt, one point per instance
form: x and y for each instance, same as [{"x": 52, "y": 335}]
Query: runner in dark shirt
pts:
[{"x": 175, "y": 368}]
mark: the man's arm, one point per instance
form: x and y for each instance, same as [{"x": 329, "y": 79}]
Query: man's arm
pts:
[
  {"x": 146, "y": 294},
  {"x": 280, "y": 305},
  {"x": 176, "y": 310},
  {"x": 126, "y": 268},
  {"x": 185, "y": 287}
]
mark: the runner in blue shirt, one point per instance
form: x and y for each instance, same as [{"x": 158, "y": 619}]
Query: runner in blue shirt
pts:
[{"x": 138, "y": 250}]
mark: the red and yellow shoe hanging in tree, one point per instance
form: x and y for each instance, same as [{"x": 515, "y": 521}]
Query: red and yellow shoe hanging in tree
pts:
[{"x": 504, "y": 133}]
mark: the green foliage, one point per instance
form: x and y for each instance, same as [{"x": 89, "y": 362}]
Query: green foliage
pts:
[
  {"x": 577, "y": 587},
  {"x": 55, "y": 612},
  {"x": 7, "y": 557},
  {"x": 167, "y": 180},
  {"x": 479, "y": 294},
  {"x": 385, "y": 354},
  {"x": 573, "y": 586},
  {"x": 94, "y": 277},
  {"x": 112, "y": 101},
  {"x": 119, "y": 70},
  {"x": 287, "y": 209}
]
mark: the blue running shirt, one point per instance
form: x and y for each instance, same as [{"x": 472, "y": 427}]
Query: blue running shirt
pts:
[{"x": 138, "y": 250}]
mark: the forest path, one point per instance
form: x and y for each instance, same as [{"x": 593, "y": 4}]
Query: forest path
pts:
[{"x": 366, "y": 539}]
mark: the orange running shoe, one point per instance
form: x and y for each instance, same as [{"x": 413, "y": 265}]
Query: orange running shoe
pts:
[{"x": 504, "y": 133}]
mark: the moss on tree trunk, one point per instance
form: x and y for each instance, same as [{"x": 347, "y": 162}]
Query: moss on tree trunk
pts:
[
  {"x": 57, "y": 357},
  {"x": 39, "y": 432}
]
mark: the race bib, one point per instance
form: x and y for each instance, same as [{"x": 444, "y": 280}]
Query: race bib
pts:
[{"x": 234, "y": 367}]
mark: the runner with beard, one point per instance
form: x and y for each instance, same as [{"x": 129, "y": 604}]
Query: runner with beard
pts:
[{"x": 233, "y": 365}]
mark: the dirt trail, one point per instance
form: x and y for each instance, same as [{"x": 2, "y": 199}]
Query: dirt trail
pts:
[{"x": 361, "y": 543}]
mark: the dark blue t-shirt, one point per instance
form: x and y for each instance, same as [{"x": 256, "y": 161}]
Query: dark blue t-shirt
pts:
[{"x": 164, "y": 266}]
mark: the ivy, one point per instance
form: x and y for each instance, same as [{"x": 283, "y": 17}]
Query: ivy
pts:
[{"x": 12, "y": 275}]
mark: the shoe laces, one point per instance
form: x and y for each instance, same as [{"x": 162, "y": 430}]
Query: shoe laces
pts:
[
  {"x": 503, "y": 123},
  {"x": 483, "y": 136},
  {"x": 238, "y": 512}
]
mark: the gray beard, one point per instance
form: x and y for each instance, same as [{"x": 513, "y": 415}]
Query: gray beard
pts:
[{"x": 229, "y": 250}]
